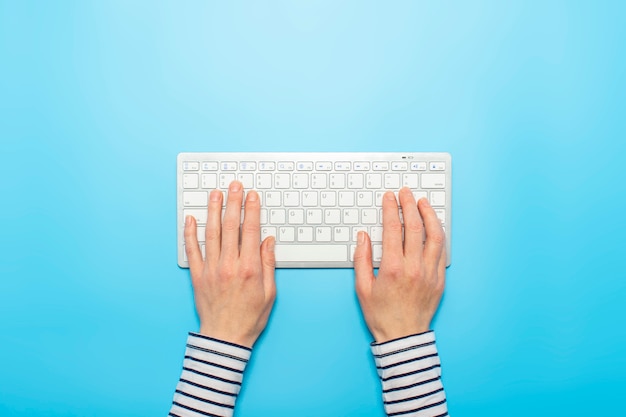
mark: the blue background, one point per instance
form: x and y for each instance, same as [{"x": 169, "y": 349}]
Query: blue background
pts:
[{"x": 97, "y": 98}]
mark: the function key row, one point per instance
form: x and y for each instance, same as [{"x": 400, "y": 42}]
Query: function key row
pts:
[{"x": 313, "y": 166}]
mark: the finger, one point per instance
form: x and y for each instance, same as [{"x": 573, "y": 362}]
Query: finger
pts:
[
  {"x": 268, "y": 266},
  {"x": 213, "y": 232},
  {"x": 363, "y": 270},
  {"x": 232, "y": 222},
  {"x": 413, "y": 225},
  {"x": 194, "y": 256},
  {"x": 251, "y": 229},
  {"x": 435, "y": 237},
  {"x": 441, "y": 270},
  {"x": 392, "y": 228}
]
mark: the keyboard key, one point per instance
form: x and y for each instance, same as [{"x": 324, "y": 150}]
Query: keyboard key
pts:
[
  {"x": 356, "y": 230},
  {"x": 355, "y": 181},
  {"x": 323, "y": 234},
  {"x": 380, "y": 166},
  {"x": 346, "y": 198},
  {"x": 342, "y": 166},
  {"x": 318, "y": 181},
  {"x": 337, "y": 181},
  {"x": 229, "y": 166},
  {"x": 267, "y": 231},
  {"x": 277, "y": 216},
  {"x": 286, "y": 234},
  {"x": 247, "y": 180},
  {"x": 272, "y": 199},
  {"x": 296, "y": 216},
  {"x": 247, "y": 166},
  {"x": 376, "y": 234},
  {"x": 364, "y": 199},
  {"x": 332, "y": 216},
  {"x": 304, "y": 166},
  {"x": 418, "y": 166},
  {"x": 191, "y": 166},
  {"x": 324, "y": 166},
  {"x": 267, "y": 166},
  {"x": 328, "y": 199},
  {"x": 437, "y": 166},
  {"x": 225, "y": 180},
  {"x": 300, "y": 181},
  {"x": 209, "y": 181},
  {"x": 286, "y": 166},
  {"x": 282, "y": 181},
  {"x": 409, "y": 180},
  {"x": 438, "y": 198},
  {"x": 441, "y": 215},
  {"x": 305, "y": 234},
  {"x": 311, "y": 253},
  {"x": 392, "y": 181},
  {"x": 374, "y": 181},
  {"x": 433, "y": 181},
  {"x": 199, "y": 214},
  {"x": 314, "y": 216},
  {"x": 309, "y": 198},
  {"x": 399, "y": 166},
  {"x": 341, "y": 234},
  {"x": 210, "y": 166},
  {"x": 377, "y": 253},
  {"x": 264, "y": 181},
  {"x": 369, "y": 216},
  {"x": 195, "y": 198},
  {"x": 190, "y": 181},
  {"x": 291, "y": 198},
  {"x": 361, "y": 166},
  {"x": 350, "y": 216}
]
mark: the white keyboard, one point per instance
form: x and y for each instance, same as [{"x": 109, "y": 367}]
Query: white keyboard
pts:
[{"x": 314, "y": 203}]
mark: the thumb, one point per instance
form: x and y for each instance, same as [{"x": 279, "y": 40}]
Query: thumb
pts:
[
  {"x": 363, "y": 271},
  {"x": 268, "y": 265}
]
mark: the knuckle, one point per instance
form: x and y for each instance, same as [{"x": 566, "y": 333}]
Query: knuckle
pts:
[
  {"x": 230, "y": 225},
  {"x": 392, "y": 267},
  {"x": 249, "y": 228},
  {"x": 249, "y": 270},
  {"x": 413, "y": 226},
  {"x": 227, "y": 272},
  {"x": 212, "y": 235},
  {"x": 437, "y": 237},
  {"x": 394, "y": 226}
]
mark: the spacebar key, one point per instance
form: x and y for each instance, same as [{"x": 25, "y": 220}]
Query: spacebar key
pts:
[{"x": 311, "y": 253}]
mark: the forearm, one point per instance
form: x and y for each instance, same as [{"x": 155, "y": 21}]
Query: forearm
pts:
[
  {"x": 410, "y": 372},
  {"x": 211, "y": 378}
]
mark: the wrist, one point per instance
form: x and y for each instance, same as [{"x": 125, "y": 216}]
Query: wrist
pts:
[{"x": 227, "y": 337}]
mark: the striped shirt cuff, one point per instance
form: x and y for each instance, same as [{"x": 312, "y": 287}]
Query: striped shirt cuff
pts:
[
  {"x": 211, "y": 377},
  {"x": 410, "y": 372}
]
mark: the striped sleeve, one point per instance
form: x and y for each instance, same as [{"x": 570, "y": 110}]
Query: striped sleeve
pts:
[
  {"x": 211, "y": 378},
  {"x": 410, "y": 372}
]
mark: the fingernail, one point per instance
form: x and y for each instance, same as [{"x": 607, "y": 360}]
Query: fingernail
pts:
[
  {"x": 215, "y": 195},
  {"x": 188, "y": 221},
  {"x": 425, "y": 201},
  {"x": 271, "y": 244},
  {"x": 235, "y": 186},
  {"x": 361, "y": 238},
  {"x": 253, "y": 196},
  {"x": 390, "y": 196}
]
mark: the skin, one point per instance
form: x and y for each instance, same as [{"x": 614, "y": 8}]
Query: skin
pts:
[
  {"x": 234, "y": 286},
  {"x": 235, "y": 289},
  {"x": 405, "y": 295}
]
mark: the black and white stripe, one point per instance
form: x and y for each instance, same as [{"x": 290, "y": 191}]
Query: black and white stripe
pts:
[
  {"x": 410, "y": 372},
  {"x": 211, "y": 378}
]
